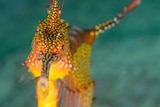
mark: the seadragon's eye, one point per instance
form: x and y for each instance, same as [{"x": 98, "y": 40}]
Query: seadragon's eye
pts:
[{"x": 63, "y": 47}]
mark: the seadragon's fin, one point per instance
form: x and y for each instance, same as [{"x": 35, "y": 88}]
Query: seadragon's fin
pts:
[{"x": 70, "y": 96}]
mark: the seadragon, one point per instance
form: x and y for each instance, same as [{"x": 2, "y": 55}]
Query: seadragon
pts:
[{"x": 60, "y": 59}]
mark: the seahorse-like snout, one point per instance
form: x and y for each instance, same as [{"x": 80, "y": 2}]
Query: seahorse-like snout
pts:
[{"x": 47, "y": 59}]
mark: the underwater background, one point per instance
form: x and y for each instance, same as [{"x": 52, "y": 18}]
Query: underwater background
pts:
[{"x": 124, "y": 63}]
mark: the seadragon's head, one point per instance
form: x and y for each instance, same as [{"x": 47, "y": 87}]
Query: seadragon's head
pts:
[{"x": 50, "y": 47}]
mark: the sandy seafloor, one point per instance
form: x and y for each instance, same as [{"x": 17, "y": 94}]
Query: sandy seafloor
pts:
[{"x": 125, "y": 60}]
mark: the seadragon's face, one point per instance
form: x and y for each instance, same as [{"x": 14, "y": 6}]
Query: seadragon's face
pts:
[
  {"x": 50, "y": 56},
  {"x": 49, "y": 49}
]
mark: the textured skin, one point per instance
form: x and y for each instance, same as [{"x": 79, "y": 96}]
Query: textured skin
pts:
[{"x": 60, "y": 58}]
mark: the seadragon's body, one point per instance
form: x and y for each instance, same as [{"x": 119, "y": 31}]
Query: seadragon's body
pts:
[{"x": 60, "y": 58}]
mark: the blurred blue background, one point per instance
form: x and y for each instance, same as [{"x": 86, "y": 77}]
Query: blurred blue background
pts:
[{"x": 125, "y": 60}]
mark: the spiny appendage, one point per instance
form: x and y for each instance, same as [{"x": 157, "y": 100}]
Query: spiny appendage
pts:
[
  {"x": 111, "y": 23},
  {"x": 50, "y": 4},
  {"x": 53, "y": 19}
]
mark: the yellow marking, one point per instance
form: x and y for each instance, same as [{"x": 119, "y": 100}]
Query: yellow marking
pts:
[{"x": 92, "y": 33}]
